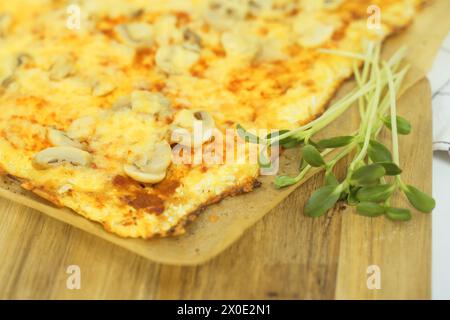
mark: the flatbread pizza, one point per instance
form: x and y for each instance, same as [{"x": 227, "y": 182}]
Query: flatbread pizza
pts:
[{"x": 92, "y": 91}]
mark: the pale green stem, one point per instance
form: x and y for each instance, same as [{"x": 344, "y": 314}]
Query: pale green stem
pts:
[
  {"x": 393, "y": 103},
  {"x": 398, "y": 79},
  {"x": 372, "y": 113}
]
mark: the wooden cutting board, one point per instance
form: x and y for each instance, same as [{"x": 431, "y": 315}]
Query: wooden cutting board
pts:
[{"x": 286, "y": 255}]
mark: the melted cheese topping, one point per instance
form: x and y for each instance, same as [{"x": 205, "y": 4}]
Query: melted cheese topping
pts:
[{"x": 116, "y": 84}]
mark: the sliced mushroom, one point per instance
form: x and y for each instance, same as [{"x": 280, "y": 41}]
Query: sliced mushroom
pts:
[
  {"x": 60, "y": 139},
  {"x": 271, "y": 50},
  {"x": 151, "y": 168},
  {"x": 136, "y": 34},
  {"x": 63, "y": 67},
  {"x": 200, "y": 122},
  {"x": 102, "y": 88},
  {"x": 185, "y": 119},
  {"x": 317, "y": 36},
  {"x": 208, "y": 124},
  {"x": 8, "y": 81},
  {"x": 331, "y": 4},
  {"x": 56, "y": 156},
  {"x": 176, "y": 59},
  {"x": 5, "y": 23},
  {"x": 223, "y": 15},
  {"x": 23, "y": 59},
  {"x": 81, "y": 128},
  {"x": 122, "y": 102},
  {"x": 150, "y": 102},
  {"x": 192, "y": 40},
  {"x": 159, "y": 160},
  {"x": 313, "y": 30},
  {"x": 136, "y": 174},
  {"x": 310, "y": 6},
  {"x": 257, "y": 7},
  {"x": 166, "y": 30},
  {"x": 239, "y": 44},
  {"x": 8, "y": 67}
]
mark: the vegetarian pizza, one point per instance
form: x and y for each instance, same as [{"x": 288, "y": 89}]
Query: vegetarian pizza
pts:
[{"x": 92, "y": 91}]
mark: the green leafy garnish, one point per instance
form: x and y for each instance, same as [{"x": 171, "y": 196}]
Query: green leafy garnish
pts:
[
  {"x": 398, "y": 214},
  {"x": 312, "y": 156},
  {"x": 335, "y": 142},
  {"x": 367, "y": 174},
  {"x": 419, "y": 200},
  {"x": 373, "y": 175},
  {"x": 285, "y": 181},
  {"x": 370, "y": 209},
  {"x": 379, "y": 152},
  {"x": 391, "y": 168},
  {"x": 322, "y": 200},
  {"x": 403, "y": 126},
  {"x": 331, "y": 180},
  {"x": 376, "y": 193}
]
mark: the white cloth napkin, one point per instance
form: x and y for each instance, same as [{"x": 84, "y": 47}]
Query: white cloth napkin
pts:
[{"x": 440, "y": 85}]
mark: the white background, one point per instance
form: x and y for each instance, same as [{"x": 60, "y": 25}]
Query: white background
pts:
[{"x": 440, "y": 83}]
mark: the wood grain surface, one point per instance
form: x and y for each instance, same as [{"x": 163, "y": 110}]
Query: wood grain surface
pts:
[{"x": 285, "y": 255}]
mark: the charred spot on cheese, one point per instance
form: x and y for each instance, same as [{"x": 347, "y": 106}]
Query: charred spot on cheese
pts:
[
  {"x": 144, "y": 57},
  {"x": 167, "y": 187},
  {"x": 124, "y": 182},
  {"x": 148, "y": 202}
]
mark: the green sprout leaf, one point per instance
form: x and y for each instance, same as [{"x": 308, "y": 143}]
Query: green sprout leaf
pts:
[
  {"x": 398, "y": 214},
  {"x": 378, "y": 152},
  {"x": 312, "y": 156},
  {"x": 330, "y": 179},
  {"x": 419, "y": 200},
  {"x": 335, "y": 142},
  {"x": 367, "y": 174},
  {"x": 391, "y": 168},
  {"x": 370, "y": 209},
  {"x": 284, "y": 181},
  {"x": 322, "y": 200},
  {"x": 375, "y": 193},
  {"x": 403, "y": 126}
]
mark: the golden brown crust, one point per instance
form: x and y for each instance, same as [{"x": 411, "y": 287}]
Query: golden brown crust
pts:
[
  {"x": 249, "y": 186},
  {"x": 41, "y": 192},
  {"x": 177, "y": 230}
]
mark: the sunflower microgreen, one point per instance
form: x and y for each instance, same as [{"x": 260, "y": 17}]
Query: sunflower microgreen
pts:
[{"x": 373, "y": 175}]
